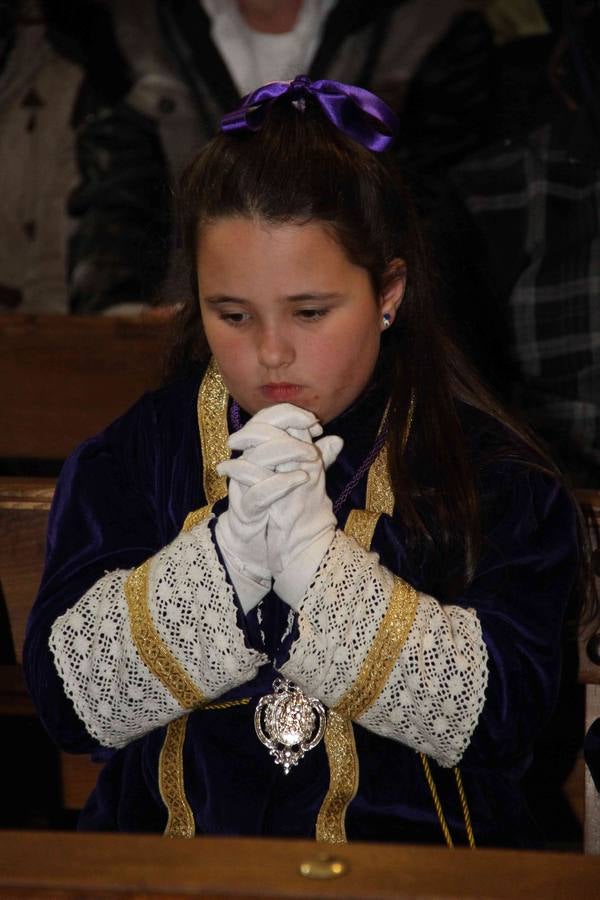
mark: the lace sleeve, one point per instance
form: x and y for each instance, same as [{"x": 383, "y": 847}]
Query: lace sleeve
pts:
[
  {"x": 143, "y": 646},
  {"x": 434, "y": 688}
]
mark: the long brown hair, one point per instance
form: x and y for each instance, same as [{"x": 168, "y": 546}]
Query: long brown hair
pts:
[{"x": 300, "y": 168}]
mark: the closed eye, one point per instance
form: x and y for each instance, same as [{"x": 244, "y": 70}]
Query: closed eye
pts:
[
  {"x": 311, "y": 315},
  {"x": 234, "y": 318}
]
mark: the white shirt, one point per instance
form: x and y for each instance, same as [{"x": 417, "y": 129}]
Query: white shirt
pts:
[{"x": 254, "y": 58}]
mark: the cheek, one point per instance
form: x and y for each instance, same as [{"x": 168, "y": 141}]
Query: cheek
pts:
[
  {"x": 353, "y": 347},
  {"x": 224, "y": 343}
]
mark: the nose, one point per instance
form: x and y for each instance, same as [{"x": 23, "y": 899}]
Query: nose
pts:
[{"x": 274, "y": 347}]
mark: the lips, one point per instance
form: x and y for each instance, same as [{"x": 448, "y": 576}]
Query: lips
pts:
[{"x": 281, "y": 391}]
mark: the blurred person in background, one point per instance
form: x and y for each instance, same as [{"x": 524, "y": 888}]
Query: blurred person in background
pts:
[
  {"x": 191, "y": 61},
  {"x": 38, "y": 91},
  {"x": 519, "y": 231}
]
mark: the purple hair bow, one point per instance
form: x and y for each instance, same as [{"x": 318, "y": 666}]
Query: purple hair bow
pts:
[{"x": 358, "y": 113}]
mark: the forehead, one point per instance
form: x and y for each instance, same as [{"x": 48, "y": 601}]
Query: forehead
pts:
[
  {"x": 234, "y": 248},
  {"x": 224, "y": 232}
]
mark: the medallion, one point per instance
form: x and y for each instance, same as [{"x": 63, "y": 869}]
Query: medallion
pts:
[{"x": 288, "y": 723}]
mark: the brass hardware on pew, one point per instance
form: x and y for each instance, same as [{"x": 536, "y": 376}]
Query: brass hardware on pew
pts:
[{"x": 323, "y": 867}]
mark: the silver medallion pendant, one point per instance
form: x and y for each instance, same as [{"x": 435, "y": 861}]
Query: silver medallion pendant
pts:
[{"x": 289, "y": 723}]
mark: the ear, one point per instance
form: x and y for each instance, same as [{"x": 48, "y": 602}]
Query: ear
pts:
[{"x": 394, "y": 285}]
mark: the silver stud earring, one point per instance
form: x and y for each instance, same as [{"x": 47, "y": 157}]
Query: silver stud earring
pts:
[{"x": 386, "y": 320}]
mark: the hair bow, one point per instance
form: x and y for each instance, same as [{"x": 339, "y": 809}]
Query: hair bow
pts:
[{"x": 355, "y": 111}]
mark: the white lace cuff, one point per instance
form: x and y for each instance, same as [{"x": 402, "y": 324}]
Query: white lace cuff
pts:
[
  {"x": 434, "y": 687},
  {"x": 143, "y": 646}
]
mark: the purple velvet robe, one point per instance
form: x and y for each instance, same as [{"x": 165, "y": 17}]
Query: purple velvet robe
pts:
[{"x": 124, "y": 494}]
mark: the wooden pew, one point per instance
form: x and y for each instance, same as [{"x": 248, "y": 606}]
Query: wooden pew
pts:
[
  {"x": 104, "y": 867},
  {"x": 64, "y": 378},
  {"x": 24, "y": 505}
]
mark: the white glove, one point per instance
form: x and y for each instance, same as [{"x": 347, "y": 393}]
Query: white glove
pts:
[
  {"x": 301, "y": 523},
  {"x": 241, "y": 530}
]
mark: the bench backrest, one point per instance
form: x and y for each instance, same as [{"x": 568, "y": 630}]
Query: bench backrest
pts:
[{"x": 64, "y": 378}]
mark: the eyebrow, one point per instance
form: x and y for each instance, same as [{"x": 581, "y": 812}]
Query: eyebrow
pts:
[
  {"x": 315, "y": 295},
  {"x": 220, "y": 298},
  {"x": 293, "y": 298}
]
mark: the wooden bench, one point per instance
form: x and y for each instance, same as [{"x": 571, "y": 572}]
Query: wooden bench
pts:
[
  {"x": 24, "y": 505},
  {"x": 64, "y": 378},
  {"x": 107, "y": 866}
]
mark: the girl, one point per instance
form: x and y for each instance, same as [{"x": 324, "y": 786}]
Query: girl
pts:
[{"x": 350, "y": 628}]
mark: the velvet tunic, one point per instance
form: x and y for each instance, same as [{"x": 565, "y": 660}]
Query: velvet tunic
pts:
[{"x": 125, "y": 494}]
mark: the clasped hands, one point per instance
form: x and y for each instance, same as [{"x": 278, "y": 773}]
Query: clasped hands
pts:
[{"x": 280, "y": 522}]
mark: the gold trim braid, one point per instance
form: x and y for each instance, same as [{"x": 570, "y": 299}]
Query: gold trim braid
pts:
[
  {"x": 340, "y": 746},
  {"x": 380, "y": 496},
  {"x": 196, "y": 517},
  {"x": 339, "y": 734},
  {"x": 383, "y": 652},
  {"x": 361, "y": 525},
  {"x": 214, "y": 431},
  {"x": 340, "y": 742},
  {"x": 212, "y": 423},
  {"x": 180, "y": 822},
  {"x": 151, "y": 647}
]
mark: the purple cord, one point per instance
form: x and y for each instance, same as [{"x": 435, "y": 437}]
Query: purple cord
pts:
[
  {"x": 364, "y": 466},
  {"x": 235, "y": 416}
]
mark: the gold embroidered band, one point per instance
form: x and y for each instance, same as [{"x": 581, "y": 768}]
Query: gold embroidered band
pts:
[
  {"x": 196, "y": 517},
  {"x": 380, "y": 496},
  {"x": 383, "y": 652},
  {"x": 361, "y": 525},
  {"x": 340, "y": 743},
  {"x": 214, "y": 431},
  {"x": 343, "y": 778},
  {"x": 339, "y": 734},
  {"x": 151, "y": 647},
  {"x": 212, "y": 425},
  {"x": 180, "y": 822}
]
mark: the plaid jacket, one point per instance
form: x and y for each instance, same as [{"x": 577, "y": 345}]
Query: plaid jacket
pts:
[{"x": 523, "y": 219}]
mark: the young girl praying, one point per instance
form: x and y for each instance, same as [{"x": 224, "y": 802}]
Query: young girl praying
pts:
[{"x": 315, "y": 585}]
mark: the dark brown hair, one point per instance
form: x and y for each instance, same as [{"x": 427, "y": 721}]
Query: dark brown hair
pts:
[{"x": 300, "y": 168}]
